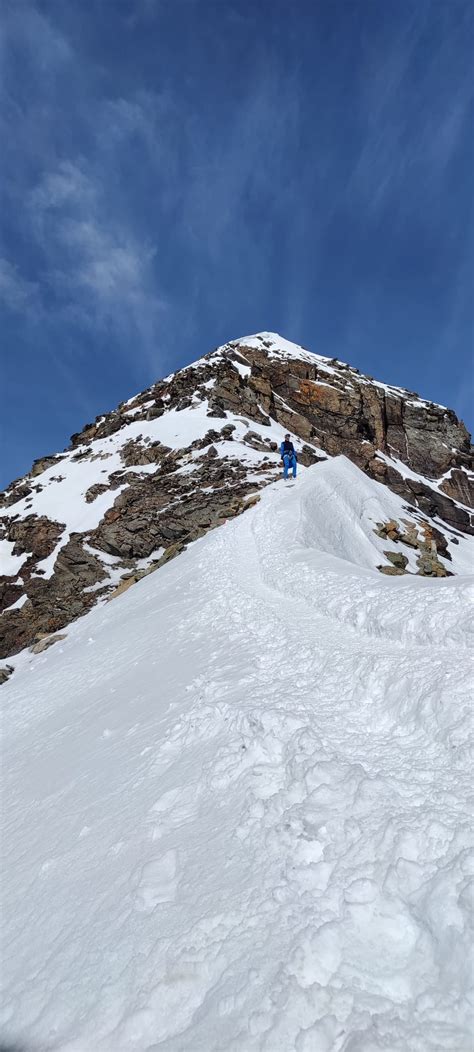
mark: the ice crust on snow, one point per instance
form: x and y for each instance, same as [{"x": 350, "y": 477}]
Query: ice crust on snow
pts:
[{"x": 237, "y": 814}]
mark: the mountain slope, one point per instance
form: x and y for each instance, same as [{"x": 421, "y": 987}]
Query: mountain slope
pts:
[
  {"x": 178, "y": 459},
  {"x": 236, "y": 815}
]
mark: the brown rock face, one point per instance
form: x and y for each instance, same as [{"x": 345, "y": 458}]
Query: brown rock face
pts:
[
  {"x": 348, "y": 416},
  {"x": 35, "y": 534},
  {"x": 10, "y": 592},
  {"x": 429, "y": 500},
  {"x": 167, "y": 497},
  {"x": 460, "y": 486}
]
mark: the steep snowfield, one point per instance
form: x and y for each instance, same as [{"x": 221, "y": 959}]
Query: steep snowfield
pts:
[{"x": 235, "y": 800}]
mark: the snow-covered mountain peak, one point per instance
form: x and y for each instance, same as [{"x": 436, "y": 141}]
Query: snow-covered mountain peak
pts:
[
  {"x": 270, "y": 344},
  {"x": 277, "y": 347},
  {"x": 137, "y": 485}
]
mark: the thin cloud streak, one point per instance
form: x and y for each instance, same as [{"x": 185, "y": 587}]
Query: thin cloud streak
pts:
[
  {"x": 93, "y": 269},
  {"x": 170, "y": 182},
  {"x": 17, "y": 294}
]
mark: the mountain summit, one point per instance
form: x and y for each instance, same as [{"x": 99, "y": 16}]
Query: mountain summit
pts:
[
  {"x": 236, "y": 801},
  {"x": 194, "y": 450}
]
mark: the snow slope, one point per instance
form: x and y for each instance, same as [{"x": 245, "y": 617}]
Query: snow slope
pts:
[
  {"x": 235, "y": 806},
  {"x": 61, "y": 489}
]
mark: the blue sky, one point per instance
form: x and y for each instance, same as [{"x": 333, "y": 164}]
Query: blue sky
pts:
[{"x": 177, "y": 173}]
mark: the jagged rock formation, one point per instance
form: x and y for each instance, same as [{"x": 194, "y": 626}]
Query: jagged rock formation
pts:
[{"x": 193, "y": 450}]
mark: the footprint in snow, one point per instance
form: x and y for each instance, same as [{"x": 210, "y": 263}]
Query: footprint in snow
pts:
[
  {"x": 157, "y": 882},
  {"x": 174, "y": 808}
]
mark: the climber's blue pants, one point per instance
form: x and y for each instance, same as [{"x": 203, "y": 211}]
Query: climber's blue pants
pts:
[{"x": 289, "y": 461}]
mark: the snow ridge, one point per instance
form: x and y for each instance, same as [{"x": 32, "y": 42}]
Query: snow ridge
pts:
[
  {"x": 238, "y": 809},
  {"x": 188, "y": 453}
]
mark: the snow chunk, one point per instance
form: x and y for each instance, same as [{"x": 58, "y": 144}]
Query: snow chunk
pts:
[
  {"x": 9, "y": 563},
  {"x": 18, "y": 604},
  {"x": 244, "y": 370}
]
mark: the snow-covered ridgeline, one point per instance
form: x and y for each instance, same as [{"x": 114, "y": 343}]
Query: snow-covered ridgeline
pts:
[
  {"x": 100, "y": 490},
  {"x": 237, "y": 811}
]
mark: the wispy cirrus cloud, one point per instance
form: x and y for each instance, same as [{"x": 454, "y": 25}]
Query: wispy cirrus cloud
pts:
[
  {"x": 100, "y": 261},
  {"x": 92, "y": 261},
  {"x": 176, "y": 174},
  {"x": 73, "y": 230},
  {"x": 414, "y": 103},
  {"x": 16, "y": 293}
]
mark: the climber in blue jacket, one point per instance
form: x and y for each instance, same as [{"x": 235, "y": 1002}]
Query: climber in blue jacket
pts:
[{"x": 288, "y": 456}]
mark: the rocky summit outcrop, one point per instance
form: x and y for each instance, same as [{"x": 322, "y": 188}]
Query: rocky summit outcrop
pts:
[{"x": 193, "y": 450}]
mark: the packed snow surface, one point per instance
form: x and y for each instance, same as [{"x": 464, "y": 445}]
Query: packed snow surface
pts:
[{"x": 235, "y": 806}]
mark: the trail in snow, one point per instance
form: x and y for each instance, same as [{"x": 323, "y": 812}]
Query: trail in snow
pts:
[{"x": 238, "y": 802}]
